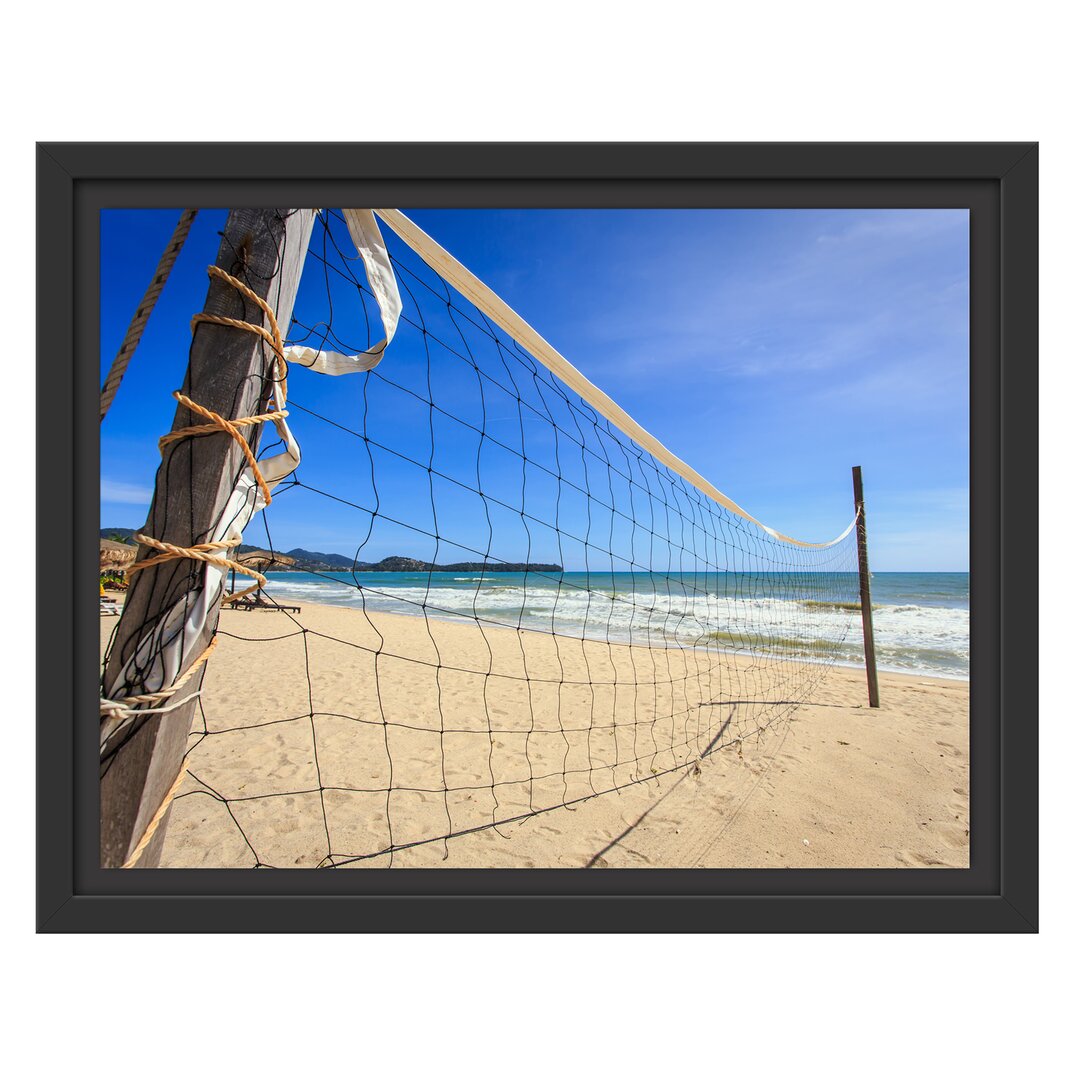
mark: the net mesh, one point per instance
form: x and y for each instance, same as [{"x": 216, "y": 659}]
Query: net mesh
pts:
[{"x": 532, "y": 612}]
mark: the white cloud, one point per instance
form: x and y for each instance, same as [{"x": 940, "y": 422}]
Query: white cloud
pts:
[
  {"x": 118, "y": 491},
  {"x": 902, "y": 225}
]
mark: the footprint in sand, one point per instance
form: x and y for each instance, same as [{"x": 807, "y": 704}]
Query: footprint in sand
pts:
[
  {"x": 954, "y": 836},
  {"x": 916, "y": 858}
]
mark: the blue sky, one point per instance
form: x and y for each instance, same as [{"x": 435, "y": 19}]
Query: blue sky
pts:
[{"x": 770, "y": 349}]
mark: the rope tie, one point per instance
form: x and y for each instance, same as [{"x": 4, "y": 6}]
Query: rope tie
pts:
[
  {"x": 272, "y": 336},
  {"x": 118, "y": 713},
  {"x": 199, "y": 553},
  {"x": 207, "y": 552},
  {"x": 121, "y": 710},
  {"x": 230, "y": 427}
]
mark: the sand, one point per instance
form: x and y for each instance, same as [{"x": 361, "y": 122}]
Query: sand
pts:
[{"x": 715, "y": 766}]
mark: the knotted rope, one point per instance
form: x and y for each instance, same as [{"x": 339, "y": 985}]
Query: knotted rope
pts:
[
  {"x": 230, "y": 427},
  {"x": 206, "y": 552},
  {"x": 271, "y": 336},
  {"x": 117, "y": 714},
  {"x": 200, "y": 553}
]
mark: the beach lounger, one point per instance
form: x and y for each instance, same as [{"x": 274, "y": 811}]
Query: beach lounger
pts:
[{"x": 258, "y": 602}]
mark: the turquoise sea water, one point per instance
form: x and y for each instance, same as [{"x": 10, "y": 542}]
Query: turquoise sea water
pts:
[{"x": 921, "y": 622}]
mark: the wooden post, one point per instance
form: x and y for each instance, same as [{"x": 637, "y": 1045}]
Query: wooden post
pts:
[
  {"x": 864, "y": 590},
  {"x": 228, "y": 373}
]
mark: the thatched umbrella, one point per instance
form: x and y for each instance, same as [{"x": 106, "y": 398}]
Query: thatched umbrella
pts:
[
  {"x": 115, "y": 556},
  {"x": 261, "y": 561},
  {"x": 265, "y": 560}
]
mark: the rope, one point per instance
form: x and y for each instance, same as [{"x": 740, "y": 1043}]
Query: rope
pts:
[
  {"x": 206, "y": 552},
  {"x": 271, "y": 336},
  {"x": 120, "y": 712},
  {"x": 218, "y": 423},
  {"x": 143, "y": 311},
  {"x": 200, "y": 553},
  {"x": 230, "y": 427},
  {"x": 155, "y": 821}
]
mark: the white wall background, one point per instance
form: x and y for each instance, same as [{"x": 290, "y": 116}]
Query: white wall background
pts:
[{"x": 887, "y": 1006}]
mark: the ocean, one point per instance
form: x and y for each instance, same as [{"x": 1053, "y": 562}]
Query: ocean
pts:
[{"x": 921, "y": 621}]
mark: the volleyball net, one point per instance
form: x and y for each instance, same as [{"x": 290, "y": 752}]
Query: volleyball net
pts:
[{"x": 514, "y": 598}]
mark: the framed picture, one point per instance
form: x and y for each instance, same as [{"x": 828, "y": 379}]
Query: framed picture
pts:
[{"x": 608, "y": 537}]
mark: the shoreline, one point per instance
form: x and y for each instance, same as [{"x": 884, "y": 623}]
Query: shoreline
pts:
[{"x": 464, "y": 619}]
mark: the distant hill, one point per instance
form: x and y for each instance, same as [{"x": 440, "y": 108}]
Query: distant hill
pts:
[
  {"x": 399, "y": 564},
  {"x": 321, "y": 560},
  {"x": 392, "y": 564}
]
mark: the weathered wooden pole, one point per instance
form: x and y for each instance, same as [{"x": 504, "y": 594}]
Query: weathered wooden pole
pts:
[
  {"x": 229, "y": 372},
  {"x": 864, "y": 590}
]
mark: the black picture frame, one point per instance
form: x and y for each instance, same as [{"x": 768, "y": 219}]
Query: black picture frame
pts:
[{"x": 998, "y": 182}]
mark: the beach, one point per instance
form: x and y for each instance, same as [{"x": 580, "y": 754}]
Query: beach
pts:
[{"x": 327, "y": 737}]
